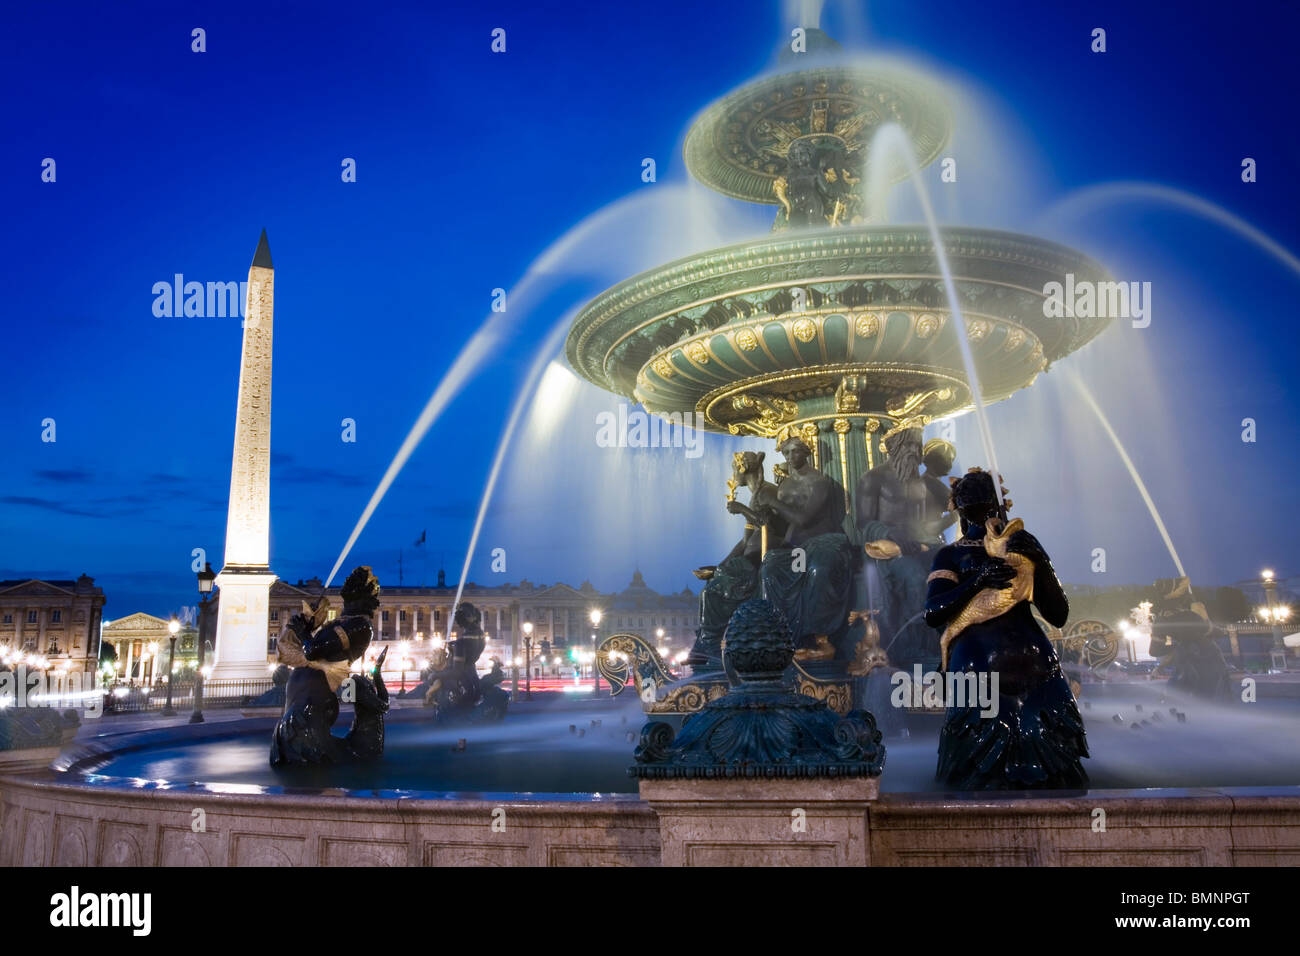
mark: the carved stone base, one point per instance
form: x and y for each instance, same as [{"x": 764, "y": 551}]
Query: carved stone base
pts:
[
  {"x": 27, "y": 761},
  {"x": 242, "y": 616},
  {"x": 762, "y": 822}
]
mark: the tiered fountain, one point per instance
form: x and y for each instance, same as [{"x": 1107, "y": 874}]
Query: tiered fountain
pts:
[{"x": 833, "y": 328}]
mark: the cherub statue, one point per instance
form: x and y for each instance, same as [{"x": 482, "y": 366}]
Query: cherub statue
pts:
[{"x": 320, "y": 653}]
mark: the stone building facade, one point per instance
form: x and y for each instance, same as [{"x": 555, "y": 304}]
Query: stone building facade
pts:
[
  {"x": 57, "y": 619},
  {"x": 143, "y": 645},
  {"x": 560, "y": 614}
]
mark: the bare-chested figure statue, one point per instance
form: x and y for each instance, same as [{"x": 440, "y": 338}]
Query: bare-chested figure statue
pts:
[
  {"x": 735, "y": 579},
  {"x": 901, "y": 516},
  {"x": 809, "y": 575}
]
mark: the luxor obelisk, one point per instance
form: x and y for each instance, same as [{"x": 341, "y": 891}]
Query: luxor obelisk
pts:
[{"x": 245, "y": 579}]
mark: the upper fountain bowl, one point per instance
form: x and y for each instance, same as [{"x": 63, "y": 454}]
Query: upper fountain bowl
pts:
[
  {"x": 740, "y": 145},
  {"x": 745, "y": 333}
]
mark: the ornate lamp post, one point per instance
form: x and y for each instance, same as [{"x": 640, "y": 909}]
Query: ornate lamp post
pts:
[
  {"x": 595, "y": 671},
  {"x": 528, "y": 659},
  {"x": 206, "y": 577},
  {"x": 173, "y": 626}
]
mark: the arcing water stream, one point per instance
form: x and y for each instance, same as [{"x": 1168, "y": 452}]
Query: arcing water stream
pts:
[
  {"x": 890, "y": 136},
  {"x": 1091, "y": 402},
  {"x": 544, "y": 356},
  {"x": 1090, "y": 197},
  {"x": 667, "y": 210}
]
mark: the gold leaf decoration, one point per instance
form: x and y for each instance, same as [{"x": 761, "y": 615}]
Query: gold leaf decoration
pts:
[{"x": 927, "y": 325}]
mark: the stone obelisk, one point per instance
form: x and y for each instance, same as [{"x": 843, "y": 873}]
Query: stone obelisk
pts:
[{"x": 245, "y": 580}]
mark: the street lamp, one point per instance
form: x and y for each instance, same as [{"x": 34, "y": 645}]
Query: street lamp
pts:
[
  {"x": 528, "y": 659},
  {"x": 404, "y": 659},
  {"x": 595, "y": 671},
  {"x": 1274, "y": 614},
  {"x": 173, "y": 626},
  {"x": 206, "y": 577},
  {"x": 1130, "y": 639}
]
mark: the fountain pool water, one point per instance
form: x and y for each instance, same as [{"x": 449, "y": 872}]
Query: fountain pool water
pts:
[{"x": 534, "y": 752}]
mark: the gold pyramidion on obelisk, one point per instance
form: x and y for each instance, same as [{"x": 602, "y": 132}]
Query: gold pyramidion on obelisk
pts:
[{"x": 245, "y": 580}]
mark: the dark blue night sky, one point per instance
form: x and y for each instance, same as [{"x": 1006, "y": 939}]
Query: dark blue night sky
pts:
[{"x": 469, "y": 165}]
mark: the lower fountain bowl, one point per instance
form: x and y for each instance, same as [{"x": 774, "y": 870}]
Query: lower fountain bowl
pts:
[
  {"x": 527, "y": 792},
  {"x": 786, "y": 317}
]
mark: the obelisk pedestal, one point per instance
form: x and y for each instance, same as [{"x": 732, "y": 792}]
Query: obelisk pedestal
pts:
[{"x": 243, "y": 612}]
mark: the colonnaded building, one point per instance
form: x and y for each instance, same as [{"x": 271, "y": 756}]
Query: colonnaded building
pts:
[{"x": 141, "y": 646}]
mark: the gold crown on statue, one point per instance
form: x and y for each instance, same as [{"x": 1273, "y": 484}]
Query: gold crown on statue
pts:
[{"x": 954, "y": 504}]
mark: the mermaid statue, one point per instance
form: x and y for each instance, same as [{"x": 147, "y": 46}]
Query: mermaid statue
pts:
[
  {"x": 320, "y": 653},
  {"x": 735, "y": 580},
  {"x": 979, "y": 593},
  {"x": 809, "y": 574}
]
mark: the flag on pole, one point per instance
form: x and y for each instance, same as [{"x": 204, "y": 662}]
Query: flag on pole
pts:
[{"x": 419, "y": 541}]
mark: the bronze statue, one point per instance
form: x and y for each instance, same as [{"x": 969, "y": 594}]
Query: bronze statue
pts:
[
  {"x": 1183, "y": 639},
  {"x": 735, "y": 580},
  {"x": 797, "y": 189},
  {"x": 809, "y": 575},
  {"x": 453, "y": 689},
  {"x": 901, "y": 516},
  {"x": 320, "y": 653},
  {"x": 817, "y": 187},
  {"x": 937, "y": 456},
  {"x": 980, "y": 594}
]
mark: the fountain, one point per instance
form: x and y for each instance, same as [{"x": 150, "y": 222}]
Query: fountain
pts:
[
  {"x": 836, "y": 338},
  {"x": 846, "y": 335}
]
